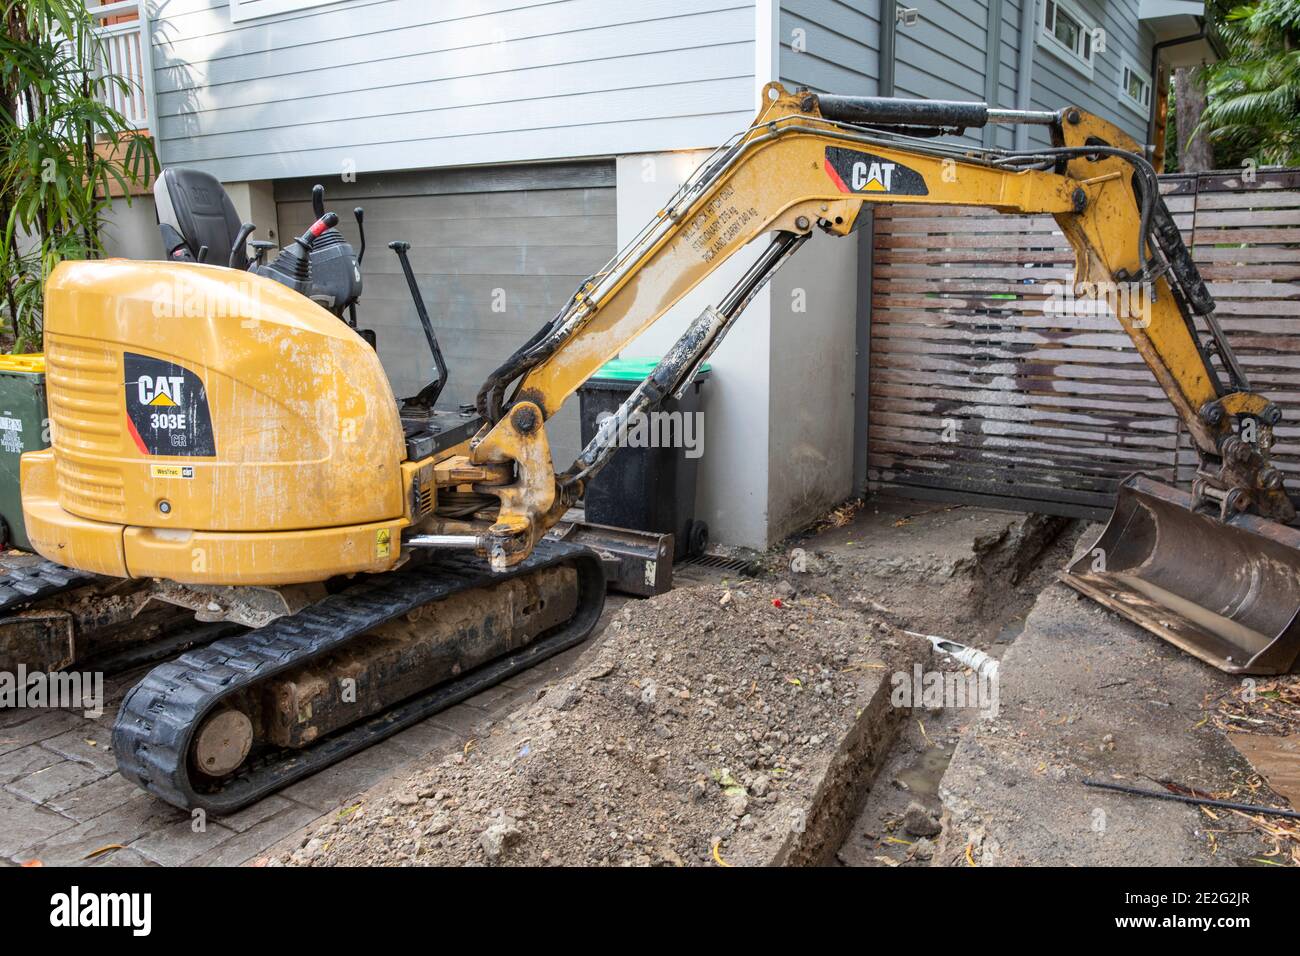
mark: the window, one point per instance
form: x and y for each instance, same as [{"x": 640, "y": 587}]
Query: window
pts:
[
  {"x": 1066, "y": 32},
  {"x": 1134, "y": 86}
]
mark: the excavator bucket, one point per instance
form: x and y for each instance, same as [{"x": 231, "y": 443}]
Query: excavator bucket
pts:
[{"x": 1227, "y": 592}]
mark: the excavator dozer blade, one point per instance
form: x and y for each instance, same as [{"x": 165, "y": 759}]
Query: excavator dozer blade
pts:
[{"x": 1225, "y": 592}]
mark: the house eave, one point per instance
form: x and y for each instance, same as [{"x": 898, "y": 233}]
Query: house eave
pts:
[{"x": 1181, "y": 20}]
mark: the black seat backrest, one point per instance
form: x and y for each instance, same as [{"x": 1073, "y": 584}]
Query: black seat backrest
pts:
[{"x": 195, "y": 211}]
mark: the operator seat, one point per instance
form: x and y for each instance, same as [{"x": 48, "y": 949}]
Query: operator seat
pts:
[{"x": 194, "y": 210}]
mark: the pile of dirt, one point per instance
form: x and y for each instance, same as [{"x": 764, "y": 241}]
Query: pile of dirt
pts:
[{"x": 705, "y": 727}]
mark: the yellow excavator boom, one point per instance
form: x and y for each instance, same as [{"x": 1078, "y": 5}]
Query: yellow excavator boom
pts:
[
  {"x": 810, "y": 161},
  {"x": 300, "y": 472}
]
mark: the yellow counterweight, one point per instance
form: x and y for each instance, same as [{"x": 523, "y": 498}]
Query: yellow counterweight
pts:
[{"x": 211, "y": 426}]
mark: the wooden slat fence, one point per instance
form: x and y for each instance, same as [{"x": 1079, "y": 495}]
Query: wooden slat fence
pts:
[{"x": 980, "y": 393}]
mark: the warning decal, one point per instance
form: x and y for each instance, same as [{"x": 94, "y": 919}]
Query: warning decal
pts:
[
  {"x": 854, "y": 171},
  {"x": 383, "y": 543},
  {"x": 167, "y": 410},
  {"x": 11, "y": 433}
]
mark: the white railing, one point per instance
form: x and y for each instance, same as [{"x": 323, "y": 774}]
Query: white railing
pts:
[{"x": 125, "y": 52}]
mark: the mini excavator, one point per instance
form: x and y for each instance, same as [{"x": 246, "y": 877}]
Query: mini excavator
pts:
[{"x": 253, "y": 457}]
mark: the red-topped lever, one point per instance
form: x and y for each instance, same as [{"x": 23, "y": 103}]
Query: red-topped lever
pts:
[
  {"x": 327, "y": 221},
  {"x": 292, "y": 267}
]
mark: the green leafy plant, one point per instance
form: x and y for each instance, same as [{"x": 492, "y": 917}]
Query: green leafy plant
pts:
[
  {"x": 63, "y": 151},
  {"x": 1254, "y": 93}
]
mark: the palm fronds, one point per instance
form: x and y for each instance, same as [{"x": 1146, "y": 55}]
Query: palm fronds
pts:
[{"x": 63, "y": 151}]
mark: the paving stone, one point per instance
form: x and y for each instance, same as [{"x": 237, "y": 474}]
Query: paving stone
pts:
[
  {"x": 255, "y": 841},
  {"x": 329, "y": 788},
  {"x": 25, "y": 760},
  {"x": 178, "y": 843},
  {"x": 121, "y": 825},
  {"x": 56, "y": 779},
  {"x": 75, "y": 745},
  {"x": 25, "y": 824},
  {"x": 100, "y": 796},
  {"x": 499, "y": 699},
  {"x": 120, "y": 858},
  {"x": 553, "y": 668},
  {"x": 465, "y": 720},
  {"x": 249, "y": 817},
  {"x": 13, "y": 716},
  {"x": 428, "y": 736},
  {"x": 49, "y": 723}
]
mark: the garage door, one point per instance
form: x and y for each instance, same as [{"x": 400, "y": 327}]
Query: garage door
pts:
[{"x": 497, "y": 251}]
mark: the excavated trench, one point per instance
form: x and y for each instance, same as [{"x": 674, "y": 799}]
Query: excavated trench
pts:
[
  {"x": 962, "y": 574},
  {"x": 741, "y": 721},
  {"x": 897, "y": 818}
]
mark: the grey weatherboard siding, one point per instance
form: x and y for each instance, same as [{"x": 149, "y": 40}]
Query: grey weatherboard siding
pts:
[
  {"x": 410, "y": 84},
  {"x": 944, "y": 55}
]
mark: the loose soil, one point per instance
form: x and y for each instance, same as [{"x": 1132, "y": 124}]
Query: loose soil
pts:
[
  {"x": 718, "y": 724},
  {"x": 696, "y": 732}
]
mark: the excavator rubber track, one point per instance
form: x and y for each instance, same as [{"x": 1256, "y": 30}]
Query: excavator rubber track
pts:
[
  {"x": 23, "y": 583},
  {"x": 158, "y": 720},
  {"x": 54, "y": 618}
]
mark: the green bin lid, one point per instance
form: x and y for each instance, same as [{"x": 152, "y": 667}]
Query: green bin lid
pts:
[{"x": 633, "y": 369}]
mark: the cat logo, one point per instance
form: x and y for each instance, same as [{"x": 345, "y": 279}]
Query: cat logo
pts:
[
  {"x": 873, "y": 178},
  {"x": 164, "y": 391},
  {"x": 857, "y": 171}
]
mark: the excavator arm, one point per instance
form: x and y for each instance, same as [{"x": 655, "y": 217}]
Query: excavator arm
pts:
[{"x": 812, "y": 161}]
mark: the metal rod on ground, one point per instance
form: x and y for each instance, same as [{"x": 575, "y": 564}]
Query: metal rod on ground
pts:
[{"x": 1200, "y": 801}]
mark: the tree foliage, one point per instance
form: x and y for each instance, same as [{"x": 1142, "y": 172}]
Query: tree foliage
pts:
[
  {"x": 1254, "y": 93},
  {"x": 63, "y": 150}
]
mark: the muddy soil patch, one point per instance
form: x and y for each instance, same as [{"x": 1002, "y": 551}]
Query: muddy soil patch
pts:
[
  {"x": 960, "y": 572},
  {"x": 1088, "y": 695},
  {"x": 712, "y": 725}
]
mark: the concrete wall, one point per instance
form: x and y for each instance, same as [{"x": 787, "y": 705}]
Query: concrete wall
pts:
[
  {"x": 255, "y": 202},
  {"x": 778, "y": 408},
  {"x": 131, "y": 231},
  {"x": 778, "y": 411},
  {"x": 814, "y": 315},
  {"x": 733, "y": 479},
  {"x": 831, "y": 47}
]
